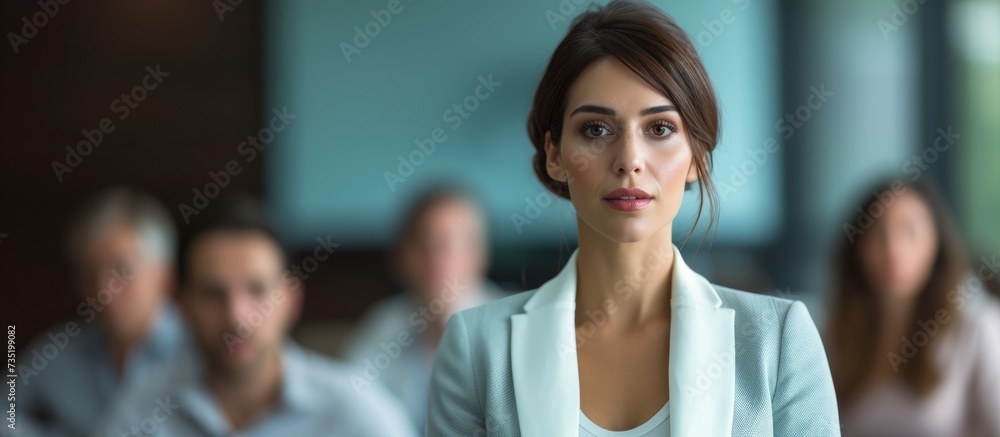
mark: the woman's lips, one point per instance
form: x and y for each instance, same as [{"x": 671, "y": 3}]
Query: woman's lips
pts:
[
  {"x": 630, "y": 204},
  {"x": 628, "y": 199}
]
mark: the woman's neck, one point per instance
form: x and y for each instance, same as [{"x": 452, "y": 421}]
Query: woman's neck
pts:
[
  {"x": 629, "y": 284},
  {"x": 897, "y": 311}
]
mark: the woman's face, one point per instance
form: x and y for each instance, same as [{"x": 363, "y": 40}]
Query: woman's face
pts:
[
  {"x": 898, "y": 252},
  {"x": 618, "y": 132}
]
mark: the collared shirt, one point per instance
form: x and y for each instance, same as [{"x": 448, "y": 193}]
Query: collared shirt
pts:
[
  {"x": 67, "y": 382},
  {"x": 316, "y": 400},
  {"x": 407, "y": 375}
]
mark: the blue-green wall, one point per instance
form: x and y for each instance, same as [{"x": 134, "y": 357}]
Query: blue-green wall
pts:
[{"x": 326, "y": 172}]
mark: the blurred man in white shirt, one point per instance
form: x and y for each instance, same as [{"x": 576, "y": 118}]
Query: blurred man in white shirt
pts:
[{"x": 440, "y": 257}]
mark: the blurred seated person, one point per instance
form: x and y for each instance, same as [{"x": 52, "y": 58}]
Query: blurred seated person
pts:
[
  {"x": 440, "y": 257},
  {"x": 914, "y": 339},
  {"x": 121, "y": 247},
  {"x": 248, "y": 377}
]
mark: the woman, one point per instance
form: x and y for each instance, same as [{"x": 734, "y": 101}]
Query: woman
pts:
[
  {"x": 627, "y": 337},
  {"x": 914, "y": 338}
]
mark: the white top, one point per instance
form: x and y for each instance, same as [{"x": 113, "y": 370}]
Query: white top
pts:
[{"x": 656, "y": 426}]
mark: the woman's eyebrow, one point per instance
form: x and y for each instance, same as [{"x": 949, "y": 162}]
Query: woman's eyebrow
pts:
[
  {"x": 658, "y": 109},
  {"x": 593, "y": 108},
  {"x": 608, "y": 111}
]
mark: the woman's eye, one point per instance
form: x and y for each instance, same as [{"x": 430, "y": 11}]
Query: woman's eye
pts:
[
  {"x": 595, "y": 131},
  {"x": 661, "y": 130}
]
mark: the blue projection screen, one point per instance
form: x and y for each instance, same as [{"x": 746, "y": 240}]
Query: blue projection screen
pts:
[{"x": 390, "y": 96}]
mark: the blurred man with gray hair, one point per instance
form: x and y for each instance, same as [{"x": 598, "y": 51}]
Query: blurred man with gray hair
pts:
[{"x": 121, "y": 247}]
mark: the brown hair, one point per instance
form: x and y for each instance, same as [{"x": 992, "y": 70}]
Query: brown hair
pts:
[
  {"x": 650, "y": 44},
  {"x": 856, "y": 318}
]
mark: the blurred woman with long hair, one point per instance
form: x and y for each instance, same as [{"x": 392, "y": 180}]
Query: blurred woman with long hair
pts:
[{"x": 914, "y": 342}]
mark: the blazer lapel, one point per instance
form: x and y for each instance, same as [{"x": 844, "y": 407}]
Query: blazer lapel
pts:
[
  {"x": 701, "y": 375},
  {"x": 543, "y": 359},
  {"x": 702, "y": 357}
]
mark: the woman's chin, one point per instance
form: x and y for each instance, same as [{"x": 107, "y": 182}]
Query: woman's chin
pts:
[{"x": 626, "y": 233}]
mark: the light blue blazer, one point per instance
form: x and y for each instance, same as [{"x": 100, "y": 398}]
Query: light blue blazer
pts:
[{"x": 741, "y": 364}]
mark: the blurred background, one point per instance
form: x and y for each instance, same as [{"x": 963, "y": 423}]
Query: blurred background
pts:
[
  {"x": 354, "y": 117},
  {"x": 360, "y": 112}
]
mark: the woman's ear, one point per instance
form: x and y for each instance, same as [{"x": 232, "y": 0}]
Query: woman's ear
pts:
[{"x": 553, "y": 160}]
